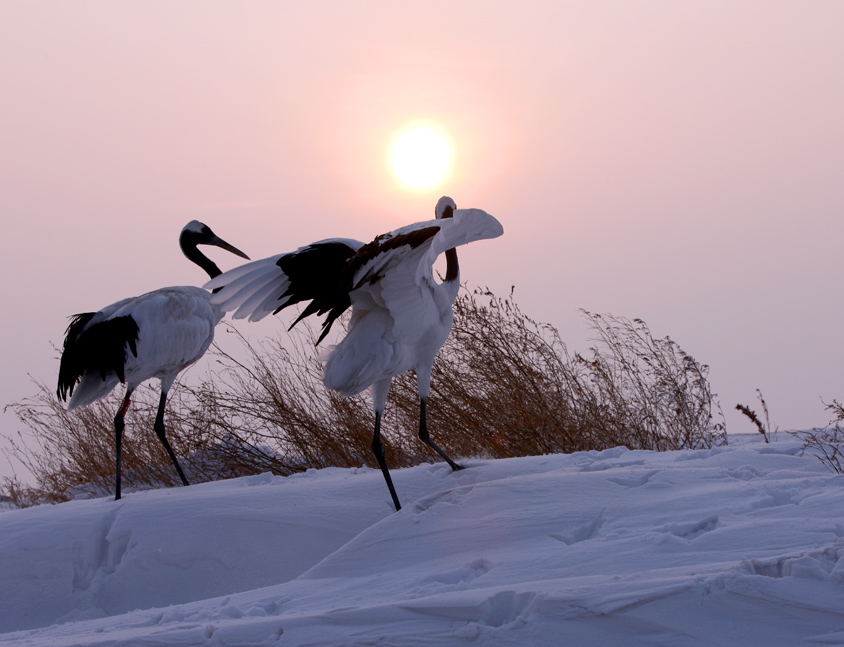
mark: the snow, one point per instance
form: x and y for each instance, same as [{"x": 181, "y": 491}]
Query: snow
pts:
[{"x": 738, "y": 545}]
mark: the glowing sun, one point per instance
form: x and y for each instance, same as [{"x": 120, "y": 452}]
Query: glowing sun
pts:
[{"x": 420, "y": 157}]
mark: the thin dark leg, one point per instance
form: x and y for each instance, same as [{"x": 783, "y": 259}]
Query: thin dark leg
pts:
[
  {"x": 378, "y": 449},
  {"x": 118, "y": 439},
  {"x": 159, "y": 429},
  {"x": 426, "y": 438}
]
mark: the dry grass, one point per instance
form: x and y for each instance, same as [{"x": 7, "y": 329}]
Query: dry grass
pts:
[
  {"x": 71, "y": 454},
  {"x": 762, "y": 428},
  {"x": 827, "y": 443},
  {"x": 503, "y": 385},
  {"x": 506, "y": 385}
]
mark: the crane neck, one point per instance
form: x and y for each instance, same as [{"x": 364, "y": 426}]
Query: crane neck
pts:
[
  {"x": 452, "y": 269},
  {"x": 190, "y": 250}
]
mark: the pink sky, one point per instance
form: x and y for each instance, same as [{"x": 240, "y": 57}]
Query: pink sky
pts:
[{"x": 678, "y": 162}]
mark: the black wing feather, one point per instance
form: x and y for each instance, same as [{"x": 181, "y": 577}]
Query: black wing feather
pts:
[
  {"x": 316, "y": 275},
  {"x": 101, "y": 347},
  {"x": 324, "y": 273}
]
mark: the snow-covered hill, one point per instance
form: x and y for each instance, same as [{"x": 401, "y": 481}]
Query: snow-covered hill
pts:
[{"x": 738, "y": 545}]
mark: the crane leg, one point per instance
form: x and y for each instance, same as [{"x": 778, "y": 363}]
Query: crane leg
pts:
[
  {"x": 378, "y": 450},
  {"x": 118, "y": 439},
  {"x": 426, "y": 438},
  {"x": 159, "y": 430}
]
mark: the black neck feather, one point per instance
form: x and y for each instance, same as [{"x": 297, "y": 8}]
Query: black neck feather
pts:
[
  {"x": 190, "y": 250},
  {"x": 452, "y": 269}
]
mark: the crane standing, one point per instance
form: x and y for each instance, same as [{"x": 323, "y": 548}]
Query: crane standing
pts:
[
  {"x": 401, "y": 316},
  {"x": 155, "y": 335}
]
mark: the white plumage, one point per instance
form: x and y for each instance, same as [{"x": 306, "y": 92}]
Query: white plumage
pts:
[
  {"x": 401, "y": 316},
  {"x": 175, "y": 328},
  {"x": 155, "y": 335}
]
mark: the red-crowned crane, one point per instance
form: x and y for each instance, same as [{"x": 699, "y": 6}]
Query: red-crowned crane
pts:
[
  {"x": 400, "y": 315},
  {"x": 155, "y": 335}
]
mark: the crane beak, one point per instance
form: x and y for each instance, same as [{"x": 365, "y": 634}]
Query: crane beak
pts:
[{"x": 219, "y": 242}]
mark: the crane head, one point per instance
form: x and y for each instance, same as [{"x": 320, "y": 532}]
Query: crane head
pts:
[
  {"x": 197, "y": 233},
  {"x": 445, "y": 207}
]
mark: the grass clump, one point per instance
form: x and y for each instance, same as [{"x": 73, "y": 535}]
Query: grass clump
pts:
[{"x": 827, "y": 443}]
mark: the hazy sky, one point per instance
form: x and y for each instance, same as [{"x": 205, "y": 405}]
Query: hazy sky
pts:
[{"x": 682, "y": 162}]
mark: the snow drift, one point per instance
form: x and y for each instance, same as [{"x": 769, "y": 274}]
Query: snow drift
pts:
[{"x": 737, "y": 545}]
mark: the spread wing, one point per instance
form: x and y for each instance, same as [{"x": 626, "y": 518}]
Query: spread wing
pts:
[
  {"x": 328, "y": 273},
  {"x": 312, "y": 273},
  {"x": 397, "y": 268}
]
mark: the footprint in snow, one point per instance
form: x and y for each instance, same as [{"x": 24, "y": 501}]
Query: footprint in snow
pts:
[
  {"x": 636, "y": 479},
  {"x": 582, "y": 532},
  {"x": 692, "y": 529}
]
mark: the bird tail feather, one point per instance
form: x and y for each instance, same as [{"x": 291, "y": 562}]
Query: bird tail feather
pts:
[
  {"x": 95, "y": 353},
  {"x": 91, "y": 388}
]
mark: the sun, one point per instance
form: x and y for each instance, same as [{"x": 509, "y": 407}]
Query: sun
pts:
[{"x": 420, "y": 157}]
